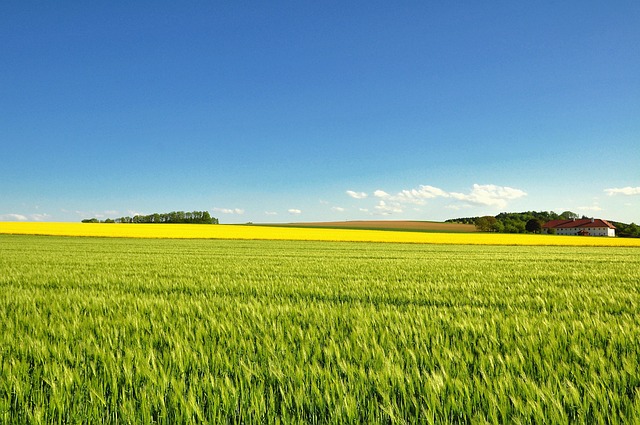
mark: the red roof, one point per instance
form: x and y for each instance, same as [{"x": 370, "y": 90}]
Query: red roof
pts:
[{"x": 579, "y": 222}]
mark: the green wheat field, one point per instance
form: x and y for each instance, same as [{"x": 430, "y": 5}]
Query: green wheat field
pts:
[{"x": 98, "y": 330}]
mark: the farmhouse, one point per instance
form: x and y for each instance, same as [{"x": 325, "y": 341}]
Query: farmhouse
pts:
[{"x": 581, "y": 227}]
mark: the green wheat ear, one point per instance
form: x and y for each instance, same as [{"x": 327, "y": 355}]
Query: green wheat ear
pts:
[{"x": 221, "y": 331}]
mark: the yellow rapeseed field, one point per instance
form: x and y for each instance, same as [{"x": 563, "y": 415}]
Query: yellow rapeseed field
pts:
[{"x": 248, "y": 232}]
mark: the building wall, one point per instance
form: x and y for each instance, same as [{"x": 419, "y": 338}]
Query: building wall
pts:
[{"x": 593, "y": 231}]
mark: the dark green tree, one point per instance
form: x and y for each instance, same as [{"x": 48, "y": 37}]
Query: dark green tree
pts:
[{"x": 534, "y": 225}]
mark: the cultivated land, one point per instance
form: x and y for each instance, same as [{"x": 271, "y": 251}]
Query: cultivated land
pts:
[
  {"x": 120, "y": 330},
  {"x": 421, "y": 226},
  {"x": 249, "y": 232}
]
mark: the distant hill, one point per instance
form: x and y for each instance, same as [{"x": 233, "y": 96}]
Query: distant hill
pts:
[{"x": 404, "y": 225}]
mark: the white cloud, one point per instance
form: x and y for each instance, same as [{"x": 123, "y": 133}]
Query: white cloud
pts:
[
  {"x": 13, "y": 217},
  {"x": 388, "y": 209},
  {"x": 356, "y": 195},
  {"x": 294, "y": 211},
  {"x": 364, "y": 209},
  {"x": 238, "y": 211},
  {"x": 271, "y": 213},
  {"x": 629, "y": 191},
  {"x": 338, "y": 209},
  {"x": 381, "y": 194},
  {"x": 419, "y": 196},
  {"x": 427, "y": 191},
  {"x": 489, "y": 195},
  {"x": 413, "y": 196}
]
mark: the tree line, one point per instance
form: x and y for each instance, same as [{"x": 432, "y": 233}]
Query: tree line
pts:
[
  {"x": 174, "y": 217},
  {"x": 625, "y": 230},
  {"x": 514, "y": 222},
  {"x": 532, "y": 221}
]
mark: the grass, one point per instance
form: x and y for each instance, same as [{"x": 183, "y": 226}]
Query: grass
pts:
[{"x": 238, "y": 331}]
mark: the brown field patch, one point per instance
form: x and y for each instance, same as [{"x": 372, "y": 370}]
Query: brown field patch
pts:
[{"x": 407, "y": 225}]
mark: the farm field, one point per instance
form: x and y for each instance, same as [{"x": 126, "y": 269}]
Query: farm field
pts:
[
  {"x": 259, "y": 232},
  {"x": 404, "y": 225},
  {"x": 124, "y": 330}
]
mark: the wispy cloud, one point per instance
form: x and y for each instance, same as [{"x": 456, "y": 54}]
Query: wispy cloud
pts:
[
  {"x": 338, "y": 209},
  {"x": 357, "y": 195},
  {"x": 294, "y": 211},
  {"x": 40, "y": 217},
  {"x": 238, "y": 211},
  {"x": 387, "y": 209},
  {"x": 22, "y": 217},
  {"x": 102, "y": 214},
  {"x": 13, "y": 217},
  {"x": 271, "y": 213},
  {"x": 628, "y": 191},
  {"x": 592, "y": 208}
]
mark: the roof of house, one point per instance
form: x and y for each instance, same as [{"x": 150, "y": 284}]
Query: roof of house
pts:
[{"x": 579, "y": 222}]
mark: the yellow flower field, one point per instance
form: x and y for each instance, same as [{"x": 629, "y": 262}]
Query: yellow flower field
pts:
[{"x": 247, "y": 232}]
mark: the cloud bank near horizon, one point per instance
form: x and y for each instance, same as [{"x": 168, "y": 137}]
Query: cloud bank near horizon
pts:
[
  {"x": 238, "y": 211},
  {"x": 480, "y": 195},
  {"x": 628, "y": 191},
  {"x": 418, "y": 201},
  {"x": 22, "y": 217}
]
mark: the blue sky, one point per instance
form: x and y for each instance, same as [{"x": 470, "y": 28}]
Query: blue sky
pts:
[{"x": 304, "y": 111}]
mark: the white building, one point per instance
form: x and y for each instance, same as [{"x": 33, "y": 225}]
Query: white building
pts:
[{"x": 581, "y": 227}]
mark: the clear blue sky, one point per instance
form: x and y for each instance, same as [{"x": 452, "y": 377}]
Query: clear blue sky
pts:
[{"x": 301, "y": 111}]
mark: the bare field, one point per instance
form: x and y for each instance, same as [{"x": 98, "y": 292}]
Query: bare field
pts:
[{"x": 425, "y": 226}]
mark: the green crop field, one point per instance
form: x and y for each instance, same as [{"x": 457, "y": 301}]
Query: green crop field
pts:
[{"x": 101, "y": 330}]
